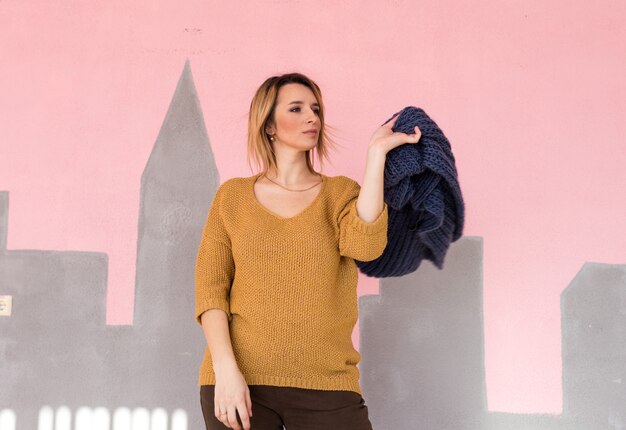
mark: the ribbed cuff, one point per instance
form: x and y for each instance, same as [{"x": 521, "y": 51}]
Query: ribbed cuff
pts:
[
  {"x": 368, "y": 227},
  {"x": 207, "y": 303}
]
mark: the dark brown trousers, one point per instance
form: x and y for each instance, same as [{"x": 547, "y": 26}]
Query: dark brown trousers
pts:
[{"x": 295, "y": 409}]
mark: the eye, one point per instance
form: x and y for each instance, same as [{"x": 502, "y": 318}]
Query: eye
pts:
[{"x": 317, "y": 111}]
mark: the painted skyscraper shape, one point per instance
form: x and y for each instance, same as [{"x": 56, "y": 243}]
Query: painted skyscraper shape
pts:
[
  {"x": 422, "y": 345},
  {"x": 177, "y": 188},
  {"x": 56, "y": 350},
  {"x": 593, "y": 324}
]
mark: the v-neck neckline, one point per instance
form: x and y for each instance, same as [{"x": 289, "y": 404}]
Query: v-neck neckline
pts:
[{"x": 318, "y": 197}]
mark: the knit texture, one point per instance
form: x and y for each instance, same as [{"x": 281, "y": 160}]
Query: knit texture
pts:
[
  {"x": 426, "y": 208},
  {"x": 287, "y": 285}
]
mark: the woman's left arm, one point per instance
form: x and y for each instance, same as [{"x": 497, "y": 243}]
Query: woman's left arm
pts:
[{"x": 370, "y": 202}]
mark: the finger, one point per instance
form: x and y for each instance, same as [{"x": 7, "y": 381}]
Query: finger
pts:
[
  {"x": 218, "y": 413},
  {"x": 243, "y": 414},
  {"x": 249, "y": 402},
  {"x": 224, "y": 420},
  {"x": 401, "y": 139},
  {"x": 389, "y": 123},
  {"x": 392, "y": 121},
  {"x": 413, "y": 136},
  {"x": 232, "y": 417},
  {"x": 398, "y": 135}
]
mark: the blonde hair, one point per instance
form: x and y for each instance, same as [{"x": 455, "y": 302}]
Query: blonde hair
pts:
[{"x": 262, "y": 110}]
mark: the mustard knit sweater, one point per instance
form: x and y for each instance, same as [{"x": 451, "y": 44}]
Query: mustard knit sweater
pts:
[{"x": 287, "y": 285}]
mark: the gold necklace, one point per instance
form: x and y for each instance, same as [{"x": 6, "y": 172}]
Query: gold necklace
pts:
[{"x": 293, "y": 190}]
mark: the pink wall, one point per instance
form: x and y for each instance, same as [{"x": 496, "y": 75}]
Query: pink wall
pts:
[{"x": 530, "y": 94}]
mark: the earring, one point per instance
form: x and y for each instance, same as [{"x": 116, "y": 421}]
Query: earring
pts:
[{"x": 271, "y": 138}]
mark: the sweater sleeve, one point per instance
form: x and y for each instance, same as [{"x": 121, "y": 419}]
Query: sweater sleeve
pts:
[
  {"x": 358, "y": 239},
  {"x": 215, "y": 267}
]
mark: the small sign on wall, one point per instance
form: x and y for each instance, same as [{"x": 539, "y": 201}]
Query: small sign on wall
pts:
[{"x": 5, "y": 305}]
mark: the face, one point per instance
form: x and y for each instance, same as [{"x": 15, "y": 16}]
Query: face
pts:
[{"x": 296, "y": 112}]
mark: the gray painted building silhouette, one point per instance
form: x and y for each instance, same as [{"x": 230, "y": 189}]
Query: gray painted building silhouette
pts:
[
  {"x": 56, "y": 348},
  {"x": 422, "y": 345},
  {"x": 421, "y": 338},
  {"x": 422, "y": 350},
  {"x": 593, "y": 321}
]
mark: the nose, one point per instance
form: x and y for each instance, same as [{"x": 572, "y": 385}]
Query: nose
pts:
[{"x": 313, "y": 117}]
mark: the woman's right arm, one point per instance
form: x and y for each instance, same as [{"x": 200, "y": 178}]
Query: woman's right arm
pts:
[
  {"x": 215, "y": 271},
  {"x": 232, "y": 394},
  {"x": 217, "y": 334}
]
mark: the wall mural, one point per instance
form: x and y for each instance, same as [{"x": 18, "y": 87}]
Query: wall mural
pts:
[{"x": 421, "y": 338}]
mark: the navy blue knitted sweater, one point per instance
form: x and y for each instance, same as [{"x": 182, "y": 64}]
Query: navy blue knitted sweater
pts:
[{"x": 425, "y": 204}]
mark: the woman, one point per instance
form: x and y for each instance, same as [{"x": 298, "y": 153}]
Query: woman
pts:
[{"x": 275, "y": 275}]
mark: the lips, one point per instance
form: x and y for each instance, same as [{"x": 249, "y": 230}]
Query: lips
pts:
[{"x": 311, "y": 132}]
